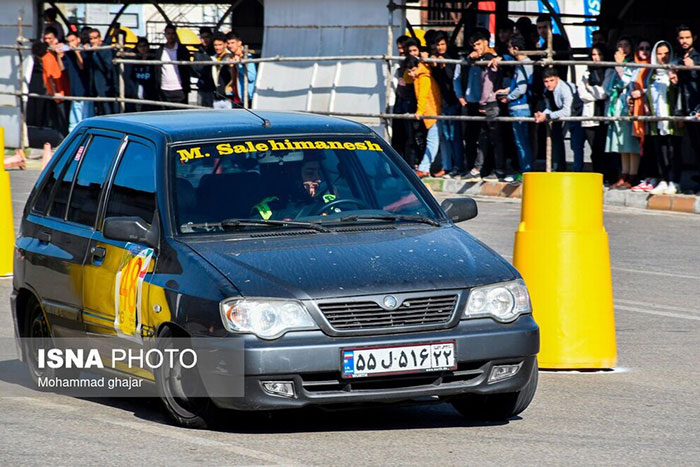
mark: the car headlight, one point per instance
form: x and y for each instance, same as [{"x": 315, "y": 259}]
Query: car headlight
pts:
[
  {"x": 503, "y": 302},
  {"x": 267, "y": 319}
]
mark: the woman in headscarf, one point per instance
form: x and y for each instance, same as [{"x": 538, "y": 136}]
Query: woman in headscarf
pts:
[
  {"x": 638, "y": 107},
  {"x": 620, "y": 134},
  {"x": 665, "y": 135},
  {"x": 591, "y": 90}
]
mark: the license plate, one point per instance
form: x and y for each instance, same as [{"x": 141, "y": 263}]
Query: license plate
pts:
[{"x": 415, "y": 358}]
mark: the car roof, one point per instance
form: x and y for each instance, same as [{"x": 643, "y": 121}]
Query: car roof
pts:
[{"x": 188, "y": 125}]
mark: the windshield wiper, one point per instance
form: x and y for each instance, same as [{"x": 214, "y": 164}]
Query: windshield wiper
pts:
[
  {"x": 391, "y": 218},
  {"x": 235, "y": 223}
]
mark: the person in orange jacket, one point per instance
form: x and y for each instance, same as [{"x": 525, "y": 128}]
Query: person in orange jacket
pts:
[{"x": 428, "y": 96}]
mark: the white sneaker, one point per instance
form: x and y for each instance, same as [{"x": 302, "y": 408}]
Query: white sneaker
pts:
[
  {"x": 660, "y": 188},
  {"x": 672, "y": 189}
]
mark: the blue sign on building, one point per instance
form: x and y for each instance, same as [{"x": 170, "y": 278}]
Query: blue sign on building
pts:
[{"x": 590, "y": 7}]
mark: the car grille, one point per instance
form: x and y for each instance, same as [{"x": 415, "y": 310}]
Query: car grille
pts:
[{"x": 414, "y": 311}]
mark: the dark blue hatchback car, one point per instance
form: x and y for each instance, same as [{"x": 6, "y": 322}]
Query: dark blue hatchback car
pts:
[{"x": 306, "y": 240}]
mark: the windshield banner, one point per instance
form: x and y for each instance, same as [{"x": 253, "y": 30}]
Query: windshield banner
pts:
[{"x": 271, "y": 145}]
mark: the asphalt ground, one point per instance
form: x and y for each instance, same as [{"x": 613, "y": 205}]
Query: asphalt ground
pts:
[{"x": 647, "y": 412}]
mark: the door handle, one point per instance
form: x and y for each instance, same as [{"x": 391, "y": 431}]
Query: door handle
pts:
[
  {"x": 44, "y": 237},
  {"x": 97, "y": 252}
]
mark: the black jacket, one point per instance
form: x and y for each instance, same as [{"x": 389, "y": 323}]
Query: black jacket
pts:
[
  {"x": 689, "y": 87},
  {"x": 224, "y": 78},
  {"x": 444, "y": 76},
  {"x": 184, "y": 70},
  {"x": 205, "y": 82},
  {"x": 145, "y": 75},
  {"x": 104, "y": 79}
]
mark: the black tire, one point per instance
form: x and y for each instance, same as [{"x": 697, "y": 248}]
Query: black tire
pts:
[
  {"x": 497, "y": 407},
  {"x": 184, "y": 411},
  {"x": 38, "y": 336}
]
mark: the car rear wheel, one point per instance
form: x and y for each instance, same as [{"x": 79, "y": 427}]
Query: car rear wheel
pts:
[
  {"x": 38, "y": 337},
  {"x": 497, "y": 407},
  {"x": 180, "y": 390}
]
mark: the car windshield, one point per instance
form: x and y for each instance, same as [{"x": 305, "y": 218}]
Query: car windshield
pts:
[{"x": 260, "y": 183}]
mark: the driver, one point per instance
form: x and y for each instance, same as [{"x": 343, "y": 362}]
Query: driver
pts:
[{"x": 304, "y": 197}]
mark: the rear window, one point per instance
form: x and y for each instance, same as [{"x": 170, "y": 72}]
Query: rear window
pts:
[
  {"x": 42, "y": 198},
  {"x": 304, "y": 179},
  {"x": 91, "y": 177}
]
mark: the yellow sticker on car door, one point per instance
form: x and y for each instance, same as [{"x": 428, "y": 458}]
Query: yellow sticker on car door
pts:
[{"x": 128, "y": 291}]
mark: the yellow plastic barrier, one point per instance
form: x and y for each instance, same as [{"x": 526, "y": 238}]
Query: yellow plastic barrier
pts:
[
  {"x": 7, "y": 232},
  {"x": 561, "y": 250}
]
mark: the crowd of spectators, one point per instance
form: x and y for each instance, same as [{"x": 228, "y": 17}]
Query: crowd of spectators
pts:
[
  {"x": 77, "y": 63},
  {"x": 641, "y": 156}
]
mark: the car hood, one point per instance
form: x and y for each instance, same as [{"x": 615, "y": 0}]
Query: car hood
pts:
[{"x": 344, "y": 264}]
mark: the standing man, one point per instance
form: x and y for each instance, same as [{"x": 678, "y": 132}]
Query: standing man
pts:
[
  {"x": 173, "y": 81},
  {"x": 221, "y": 75},
  {"x": 559, "y": 99},
  {"x": 561, "y": 47},
  {"x": 399, "y": 128},
  {"x": 49, "y": 16},
  {"x": 415, "y": 143},
  {"x": 450, "y": 130},
  {"x": 491, "y": 136},
  {"x": 503, "y": 35},
  {"x": 77, "y": 73},
  {"x": 469, "y": 100},
  {"x": 516, "y": 98},
  {"x": 241, "y": 72},
  {"x": 205, "y": 51},
  {"x": 56, "y": 79},
  {"x": 103, "y": 74},
  {"x": 689, "y": 86},
  {"x": 145, "y": 76}
]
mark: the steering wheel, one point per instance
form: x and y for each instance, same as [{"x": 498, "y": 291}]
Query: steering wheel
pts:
[{"x": 338, "y": 202}]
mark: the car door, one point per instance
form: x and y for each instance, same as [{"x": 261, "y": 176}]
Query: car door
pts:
[
  {"x": 62, "y": 226},
  {"x": 115, "y": 271}
]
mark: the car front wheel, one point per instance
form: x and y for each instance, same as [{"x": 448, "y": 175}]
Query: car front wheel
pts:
[{"x": 180, "y": 390}]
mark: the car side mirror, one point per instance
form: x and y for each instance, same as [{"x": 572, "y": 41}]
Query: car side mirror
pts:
[
  {"x": 131, "y": 229},
  {"x": 460, "y": 209}
]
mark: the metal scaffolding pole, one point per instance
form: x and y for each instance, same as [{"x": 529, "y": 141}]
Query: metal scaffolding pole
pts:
[
  {"x": 389, "y": 52},
  {"x": 20, "y": 103},
  {"x": 548, "y": 163}
]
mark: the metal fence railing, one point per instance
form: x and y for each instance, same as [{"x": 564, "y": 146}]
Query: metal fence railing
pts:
[{"x": 123, "y": 57}]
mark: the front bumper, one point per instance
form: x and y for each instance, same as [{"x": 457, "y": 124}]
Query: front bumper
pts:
[{"x": 312, "y": 360}]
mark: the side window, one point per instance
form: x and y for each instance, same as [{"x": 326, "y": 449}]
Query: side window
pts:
[
  {"x": 133, "y": 191},
  {"x": 42, "y": 198},
  {"x": 60, "y": 199},
  {"x": 91, "y": 177}
]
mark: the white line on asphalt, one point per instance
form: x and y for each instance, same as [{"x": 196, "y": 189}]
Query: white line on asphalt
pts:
[
  {"x": 636, "y": 271},
  {"x": 179, "y": 435},
  {"x": 654, "y": 273},
  {"x": 612, "y": 371},
  {"x": 658, "y": 313},
  {"x": 656, "y": 305}
]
